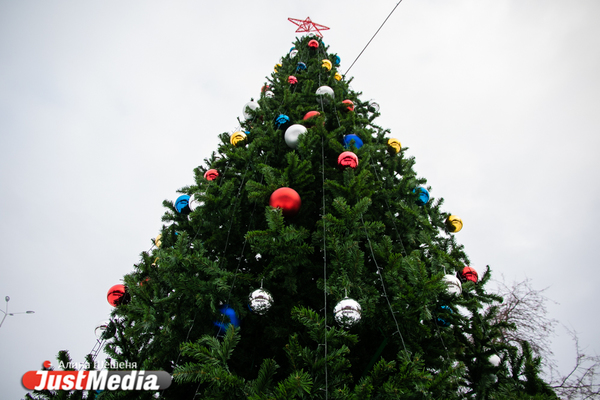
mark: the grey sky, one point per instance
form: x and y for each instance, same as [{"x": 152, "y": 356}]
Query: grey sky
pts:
[{"x": 106, "y": 107}]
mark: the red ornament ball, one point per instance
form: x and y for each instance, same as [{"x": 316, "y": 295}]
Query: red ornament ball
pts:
[
  {"x": 313, "y": 44},
  {"x": 287, "y": 199},
  {"x": 117, "y": 295},
  {"x": 350, "y": 104},
  {"x": 469, "y": 274},
  {"x": 311, "y": 114},
  {"x": 292, "y": 80},
  {"x": 265, "y": 88},
  {"x": 211, "y": 174},
  {"x": 348, "y": 159}
]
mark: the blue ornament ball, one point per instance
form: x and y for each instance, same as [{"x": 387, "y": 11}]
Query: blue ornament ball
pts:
[
  {"x": 229, "y": 313},
  {"x": 423, "y": 195},
  {"x": 444, "y": 310},
  {"x": 282, "y": 122},
  {"x": 337, "y": 60},
  {"x": 349, "y": 138},
  {"x": 301, "y": 66},
  {"x": 182, "y": 204}
]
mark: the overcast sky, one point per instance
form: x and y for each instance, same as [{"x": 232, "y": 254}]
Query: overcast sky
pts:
[{"x": 106, "y": 108}]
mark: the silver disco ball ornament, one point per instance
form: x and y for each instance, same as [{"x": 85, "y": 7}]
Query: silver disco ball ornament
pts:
[
  {"x": 454, "y": 286},
  {"x": 347, "y": 312},
  {"x": 292, "y": 135},
  {"x": 325, "y": 94},
  {"x": 101, "y": 328},
  {"x": 495, "y": 360},
  {"x": 251, "y": 105},
  {"x": 260, "y": 301}
]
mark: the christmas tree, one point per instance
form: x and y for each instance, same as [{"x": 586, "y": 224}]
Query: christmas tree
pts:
[{"x": 308, "y": 260}]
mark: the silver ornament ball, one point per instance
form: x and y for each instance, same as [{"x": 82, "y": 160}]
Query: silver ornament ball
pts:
[
  {"x": 194, "y": 203},
  {"x": 252, "y": 105},
  {"x": 454, "y": 286},
  {"x": 292, "y": 135},
  {"x": 325, "y": 94},
  {"x": 495, "y": 360},
  {"x": 347, "y": 312},
  {"x": 260, "y": 301}
]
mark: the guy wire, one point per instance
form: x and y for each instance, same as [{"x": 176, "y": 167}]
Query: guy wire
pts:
[{"x": 374, "y": 36}]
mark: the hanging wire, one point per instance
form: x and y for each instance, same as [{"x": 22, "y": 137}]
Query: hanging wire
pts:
[
  {"x": 379, "y": 270},
  {"x": 235, "y": 206},
  {"x": 373, "y": 36},
  {"x": 324, "y": 248},
  {"x": 324, "y": 260},
  {"x": 380, "y": 273},
  {"x": 227, "y": 240},
  {"x": 242, "y": 255},
  {"x": 391, "y": 215}
]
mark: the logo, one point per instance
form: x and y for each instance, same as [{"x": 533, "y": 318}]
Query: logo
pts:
[{"x": 95, "y": 380}]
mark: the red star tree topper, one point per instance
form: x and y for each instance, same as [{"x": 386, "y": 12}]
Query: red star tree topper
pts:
[{"x": 308, "y": 26}]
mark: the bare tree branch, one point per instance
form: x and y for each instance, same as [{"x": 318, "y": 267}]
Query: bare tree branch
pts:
[
  {"x": 581, "y": 381},
  {"x": 524, "y": 307}
]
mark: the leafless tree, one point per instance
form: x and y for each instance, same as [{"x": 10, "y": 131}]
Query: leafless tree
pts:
[
  {"x": 582, "y": 381},
  {"x": 525, "y": 308}
]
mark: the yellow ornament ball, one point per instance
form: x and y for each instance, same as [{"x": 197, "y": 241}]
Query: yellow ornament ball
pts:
[
  {"x": 326, "y": 64},
  {"x": 337, "y": 76},
  {"x": 454, "y": 224},
  {"x": 237, "y": 137},
  {"x": 395, "y": 144},
  {"x": 276, "y": 67},
  {"x": 157, "y": 241}
]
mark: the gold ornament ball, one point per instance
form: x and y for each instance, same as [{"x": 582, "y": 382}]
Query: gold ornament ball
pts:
[
  {"x": 237, "y": 137},
  {"x": 454, "y": 224},
  {"x": 158, "y": 241},
  {"x": 395, "y": 144},
  {"x": 326, "y": 64},
  {"x": 277, "y": 66},
  {"x": 337, "y": 76}
]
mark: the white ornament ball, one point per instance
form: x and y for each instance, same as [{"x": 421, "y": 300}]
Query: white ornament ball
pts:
[
  {"x": 252, "y": 105},
  {"x": 495, "y": 360},
  {"x": 269, "y": 94},
  {"x": 325, "y": 93},
  {"x": 194, "y": 203},
  {"x": 293, "y": 53},
  {"x": 454, "y": 285},
  {"x": 347, "y": 312},
  {"x": 292, "y": 135},
  {"x": 260, "y": 301}
]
